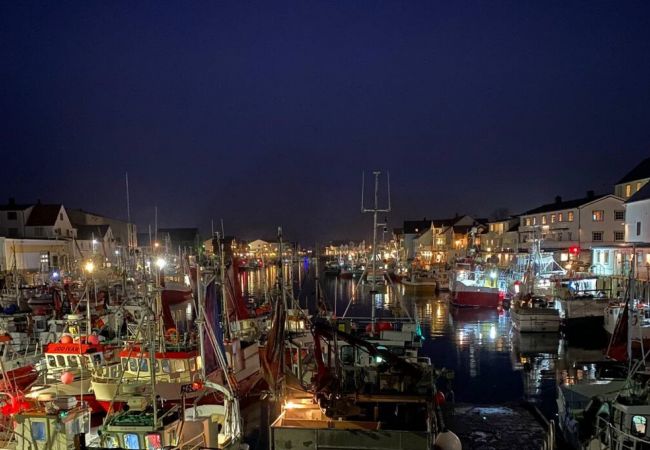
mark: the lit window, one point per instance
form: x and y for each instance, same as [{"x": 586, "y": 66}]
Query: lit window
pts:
[
  {"x": 154, "y": 442},
  {"x": 552, "y": 218},
  {"x": 639, "y": 426},
  {"x": 569, "y": 216},
  {"x": 597, "y": 215},
  {"x": 131, "y": 441},
  {"x": 527, "y": 221},
  {"x": 638, "y": 186},
  {"x": 544, "y": 220},
  {"x": 628, "y": 190},
  {"x": 560, "y": 217},
  {"x": 597, "y": 236},
  {"x": 534, "y": 220}
]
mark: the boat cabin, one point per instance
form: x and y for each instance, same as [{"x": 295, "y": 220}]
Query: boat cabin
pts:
[
  {"x": 629, "y": 426},
  {"x": 177, "y": 367},
  {"x": 60, "y": 425}
]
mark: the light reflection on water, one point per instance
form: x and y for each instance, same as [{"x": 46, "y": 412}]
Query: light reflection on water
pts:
[{"x": 491, "y": 363}]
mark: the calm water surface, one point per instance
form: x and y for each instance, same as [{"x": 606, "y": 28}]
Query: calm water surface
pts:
[{"x": 491, "y": 363}]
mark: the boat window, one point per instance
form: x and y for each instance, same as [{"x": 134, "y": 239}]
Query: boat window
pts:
[
  {"x": 60, "y": 360},
  {"x": 192, "y": 364},
  {"x": 165, "y": 365},
  {"x": 144, "y": 365},
  {"x": 639, "y": 425},
  {"x": 199, "y": 364},
  {"x": 131, "y": 441},
  {"x": 133, "y": 364},
  {"x": 110, "y": 441},
  {"x": 347, "y": 355},
  {"x": 73, "y": 361},
  {"x": 179, "y": 365},
  {"x": 154, "y": 442},
  {"x": 38, "y": 431},
  {"x": 51, "y": 361}
]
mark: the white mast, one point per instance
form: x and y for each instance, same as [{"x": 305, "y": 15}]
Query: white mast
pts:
[{"x": 375, "y": 210}]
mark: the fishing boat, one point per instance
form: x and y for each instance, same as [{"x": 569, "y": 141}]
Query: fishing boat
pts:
[
  {"x": 358, "y": 401},
  {"x": 419, "y": 279},
  {"x": 534, "y": 314},
  {"x": 474, "y": 287},
  {"x": 18, "y": 367},
  {"x": 580, "y": 302}
]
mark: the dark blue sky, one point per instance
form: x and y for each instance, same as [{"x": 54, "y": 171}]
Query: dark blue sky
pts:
[{"x": 265, "y": 113}]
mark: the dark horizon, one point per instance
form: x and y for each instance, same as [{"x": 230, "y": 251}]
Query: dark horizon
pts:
[{"x": 266, "y": 114}]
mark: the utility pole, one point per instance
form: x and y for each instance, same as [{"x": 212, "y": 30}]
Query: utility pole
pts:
[{"x": 375, "y": 210}]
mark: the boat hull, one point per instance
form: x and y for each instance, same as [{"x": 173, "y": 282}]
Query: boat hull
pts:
[
  {"x": 532, "y": 321},
  {"x": 476, "y": 297}
]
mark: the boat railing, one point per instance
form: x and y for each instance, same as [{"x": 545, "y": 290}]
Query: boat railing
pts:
[
  {"x": 617, "y": 439},
  {"x": 197, "y": 442}
]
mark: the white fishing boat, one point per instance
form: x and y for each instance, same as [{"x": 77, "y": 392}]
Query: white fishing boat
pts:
[{"x": 535, "y": 315}]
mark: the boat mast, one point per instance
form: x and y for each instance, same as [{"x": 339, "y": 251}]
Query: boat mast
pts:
[
  {"x": 222, "y": 272},
  {"x": 375, "y": 210}
]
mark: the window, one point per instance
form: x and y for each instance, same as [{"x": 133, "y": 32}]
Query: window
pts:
[
  {"x": 534, "y": 220},
  {"x": 638, "y": 186},
  {"x": 570, "y": 236},
  {"x": 527, "y": 221},
  {"x": 569, "y": 216},
  {"x": 619, "y": 235},
  {"x": 38, "y": 431},
  {"x": 12, "y": 215},
  {"x": 560, "y": 217},
  {"x": 60, "y": 361},
  {"x": 552, "y": 218},
  {"x": 638, "y": 228},
  {"x": 597, "y": 236},
  {"x": 153, "y": 442},
  {"x": 133, "y": 364},
  {"x": 598, "y": 215},
  {"x": 73, "y": 361},
  {"x": 131, "y": 441},
  {"x": 619, "y": 215},
  {"x": 559, "y": 236},
  {"x": 628, "y": 190},
  {"x": 544, "y": 220},
  {"x": 165, "y": 365},
  {"x": 51, "y": 361},
  {"x": 38, "y": 231},
  {"x": 639, "y": 424}
]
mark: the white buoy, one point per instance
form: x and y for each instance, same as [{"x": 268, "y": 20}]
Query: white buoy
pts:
[{"x": 447, "y": 440}]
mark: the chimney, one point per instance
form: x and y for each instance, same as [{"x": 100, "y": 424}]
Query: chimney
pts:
[
  {"x": 12, "y": 201},
  {"x": 590, "y": 194},
  {"x": 558, "y": 199}
]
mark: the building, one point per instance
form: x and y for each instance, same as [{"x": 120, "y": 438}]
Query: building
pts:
[
  {"x": 124, "y": 233},
  {"x": 184, "y": 239},
  {"x": 501, "y": 240},
  {"x": 13, "y": 217},
  {"x": 438, "y": 241},
  {"x": 572, "y": 228},
  {"x": 634, "y": 180},
  {"x": 96, "y": 242},
  {"x": 33, "y": 255}
]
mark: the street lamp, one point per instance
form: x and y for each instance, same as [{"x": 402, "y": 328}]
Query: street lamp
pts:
[
  {"x": 89, "y": 267},
  {"x": 161, "y": 263}
]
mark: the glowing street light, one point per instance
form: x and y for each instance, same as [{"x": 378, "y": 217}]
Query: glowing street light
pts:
[
  {"x": 90, "y": 267},
  {"x": 161, "y": 263}
]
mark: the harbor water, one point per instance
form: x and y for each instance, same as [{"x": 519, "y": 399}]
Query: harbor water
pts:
[{"x": 488, "y": 362}]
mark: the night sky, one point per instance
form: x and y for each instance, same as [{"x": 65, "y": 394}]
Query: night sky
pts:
[{"x": 266, "y": 113}]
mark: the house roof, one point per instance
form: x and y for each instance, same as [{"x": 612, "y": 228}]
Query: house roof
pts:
[
  {"x": 43, "y": 215},
  {"x": 568, "y": 204},
  {"x": 88, "y": 232},
  {"x": 642, "y": 170},
  {"x": 641, "y": 194}
]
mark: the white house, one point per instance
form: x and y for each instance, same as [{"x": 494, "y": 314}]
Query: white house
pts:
[
  {"x": 572, "y": 228},
  {"x": 634, "y": 180},
  {"x": 33, "y": 255},
  {"x": 50, "y": 222},
  {"x": 12, "y": 219}
]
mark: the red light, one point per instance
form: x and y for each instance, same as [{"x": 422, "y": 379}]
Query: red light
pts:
[{"x": 574, "y": 250}]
